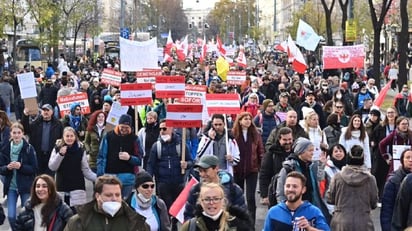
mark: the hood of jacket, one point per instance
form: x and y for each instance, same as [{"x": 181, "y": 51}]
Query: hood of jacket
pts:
[
  {"x": 355, "y": 175},
  {"x": 225, "y": 177}
]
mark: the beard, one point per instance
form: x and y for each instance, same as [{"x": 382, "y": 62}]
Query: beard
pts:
[{"x": 293, "y": 197}]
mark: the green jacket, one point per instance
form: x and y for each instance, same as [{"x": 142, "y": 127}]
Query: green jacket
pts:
[
  {"x": 89, "y": 218},
  {"x": 92, "y": 144}
]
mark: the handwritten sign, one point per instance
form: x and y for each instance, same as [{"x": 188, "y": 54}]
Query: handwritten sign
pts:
[
  {"x": 136, "y": 94},
  {"x": 170, "y": 86},
  {"x": 184, "y": 116},
  {"x": 147, "y": 76},
  {"x": 111, "y": 77},
  {"x": 27, "y": 85},
  {"x": 65, "y": 102}
]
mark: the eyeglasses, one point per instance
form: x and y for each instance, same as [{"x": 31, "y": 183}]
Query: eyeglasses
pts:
[
  {"x": 163, "y": 129},
  {"x": 214, "y": 200},
  {"x": 146, "y": 186}
]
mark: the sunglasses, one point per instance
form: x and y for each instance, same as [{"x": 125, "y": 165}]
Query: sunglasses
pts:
[
  {"x": 146, "y": 186},
  {"x": 163, "y": 129}
]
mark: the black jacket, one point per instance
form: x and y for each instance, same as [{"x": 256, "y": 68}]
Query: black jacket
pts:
[
  {"x": 402, "y": 217},
  {"x": 35, "y": 130},
  {"x": 25, "y": 220},
  {"x": 271, "y": 165}
]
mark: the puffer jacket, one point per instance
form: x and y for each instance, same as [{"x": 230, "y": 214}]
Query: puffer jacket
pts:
[
  {"x": 25, "y": 220},
  {"x": 238, "y": 219},
  {"x": 92, "y": 143}
]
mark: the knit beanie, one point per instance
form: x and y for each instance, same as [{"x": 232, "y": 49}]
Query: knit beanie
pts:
[
  {"x": 356, "y": 155},
  {"x": 141, "y": 178},
  {"x": 301, "y": 145}
]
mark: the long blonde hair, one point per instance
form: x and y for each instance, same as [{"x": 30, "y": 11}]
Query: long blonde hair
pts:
[{"x": 225, "y": 215}]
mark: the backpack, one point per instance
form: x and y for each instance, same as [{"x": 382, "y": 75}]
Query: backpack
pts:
[
  {"x": 273, "y": 185},
  {"x": 159, "y": 149},
  {"x": 275, "y": 117}
]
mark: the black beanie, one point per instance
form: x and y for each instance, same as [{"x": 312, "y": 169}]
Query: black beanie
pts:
[{"x": 141, "y": 178}]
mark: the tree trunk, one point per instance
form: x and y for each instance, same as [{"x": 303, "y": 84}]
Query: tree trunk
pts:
[
  {"x": 329, "y": 28},
  {"x": 376, "y": 56},
  {"x": 403, "y": 39},
  {"x": 344, "y": 8}
]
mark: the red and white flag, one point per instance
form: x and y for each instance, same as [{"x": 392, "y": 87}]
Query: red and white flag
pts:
[
  {"x": 111, "y": 77},
  {"x": 178, "y": 207},
  {"x": 283, "y": 46},
  {"x": 182, "y": 49},
  {"x": 296, "y": 57},
  {"x": 184, "y": 115},
  {"x": 169, "y": 44},
  {"x": 172, "y": 86},
  {"x": 204, "y": 51},
  {"x": 220, "y": 47},
  {"x": 241, "y": 59},
  {"x": 335, "y": 57},
  {"x": 136, "y": 94},
  {"x": 223, "y": 103}
]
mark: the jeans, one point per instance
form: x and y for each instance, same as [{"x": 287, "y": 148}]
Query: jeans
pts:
[
  {"x": 251, "y": 183},
  {"x": 12, "y": 196}
]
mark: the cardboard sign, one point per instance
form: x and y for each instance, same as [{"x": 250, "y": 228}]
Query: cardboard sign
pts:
[
  {"x": 170, "y": 86},
  {"x": 236, "y": 77},
  {"x": 184, "y": 116},
  {"x": 136, "y": 94},
  {"x": 111, "y": 77},
  {"x": 65, "y": 102},
  {"x": 27, "y": 85},
  {"x": 31, "y": 105},
  {"x": 223, "y": 103}
]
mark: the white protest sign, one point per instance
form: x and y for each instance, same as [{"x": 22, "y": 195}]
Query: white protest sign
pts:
[
  {"x": 115, "y": 112},
  {"x": 27, "y": 85}
]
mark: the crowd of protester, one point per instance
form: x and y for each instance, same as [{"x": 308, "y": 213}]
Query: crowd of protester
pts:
[{"x": 312, "y": 145}]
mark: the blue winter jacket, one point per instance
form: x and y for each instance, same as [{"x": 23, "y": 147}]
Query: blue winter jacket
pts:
[
  {"x": 27, "y": 172},
  {"x": 280, "y": 218}
]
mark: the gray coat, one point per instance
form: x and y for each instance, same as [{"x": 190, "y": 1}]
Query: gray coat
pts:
[
  {"x": 354, "y": 193},
  {"x": 6, "y": 93}
]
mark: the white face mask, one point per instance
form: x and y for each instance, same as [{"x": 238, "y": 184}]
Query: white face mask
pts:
[
  {"x": 111, "y": 207},
  {"x": 254, "y": 90},
  {"x": 142, "y": 198},
  {"x": 165, "y": 138},
  {"x": 338, "y": 96}
]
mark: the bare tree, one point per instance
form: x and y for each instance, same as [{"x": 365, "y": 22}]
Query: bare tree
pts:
[
  {"x": 377, "y": 27},
  {"x": 403, "y": 39},
  {"x": 344, "y": 7},
  {"x": 328, "y": 21}
]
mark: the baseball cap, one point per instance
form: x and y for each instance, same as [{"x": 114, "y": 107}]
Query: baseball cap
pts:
[
  {"x": 47, "y": 107},
  {"x": 207, "y": 161}
]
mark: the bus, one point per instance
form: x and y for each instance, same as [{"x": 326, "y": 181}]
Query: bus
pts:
[
  {"x": 112, "y": 49},
  {"x": 27, "y": 52}
]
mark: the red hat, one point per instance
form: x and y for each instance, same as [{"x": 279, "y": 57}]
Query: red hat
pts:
[{"x": 344, "y": 85}]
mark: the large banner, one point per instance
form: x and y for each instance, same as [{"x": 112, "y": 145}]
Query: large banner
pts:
[
  {"x": 335, "y": 57},
  {"x": 134, "y": 55}
]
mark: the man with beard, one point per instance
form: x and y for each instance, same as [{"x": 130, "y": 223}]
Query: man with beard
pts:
[
  {"x": 290, "y": 122},
  {"x": 294, "y": 213},
  {"x": 272, "y": 162}
]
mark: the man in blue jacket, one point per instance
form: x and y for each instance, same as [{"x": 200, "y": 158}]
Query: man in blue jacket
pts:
[{"x": 294, "y": 213}]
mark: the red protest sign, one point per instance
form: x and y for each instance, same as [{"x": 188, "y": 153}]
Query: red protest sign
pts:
[
  {"x": 223, "y": 103},
  {"x": 170, "y": 86},
  {"x": 65, "y": 102},
  {"x": 111, "y": 77},
  {"x": 236, "y": 77},
  {"x": 184, "y": 116},
  {"x": 136, "y": 94},
  {"x": 147, "y": 76}
]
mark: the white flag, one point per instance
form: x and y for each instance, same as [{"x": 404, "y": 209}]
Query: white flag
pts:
[{"x": 306, "y": 37}]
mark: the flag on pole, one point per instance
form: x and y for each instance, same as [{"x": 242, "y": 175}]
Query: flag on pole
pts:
[
  {"x": 220, "y": 47},
  {"x": 382, "y": 94},
  {"x": 296, "y": 57},
  {"x": 283, "y": 46},
  {"x": 182, "y": 49},
  {"x": 241, "y": 59},
  {"x": 178, "y": 207},
  {"x": 169, "y": 44},
  {"x": 204, "y": 50},
  {"x": 222, "y": 67},
  {"x": 306, "y": 37}
]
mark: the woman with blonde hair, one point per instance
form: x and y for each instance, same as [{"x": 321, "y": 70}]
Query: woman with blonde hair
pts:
[
  {"x": 18, "y": 164},
  {"x": 212, "y": 213},
  {"x": 316, "y": 135},
  {"x": 69, "y": 160},
  {"x": 251, "y": 150}
]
